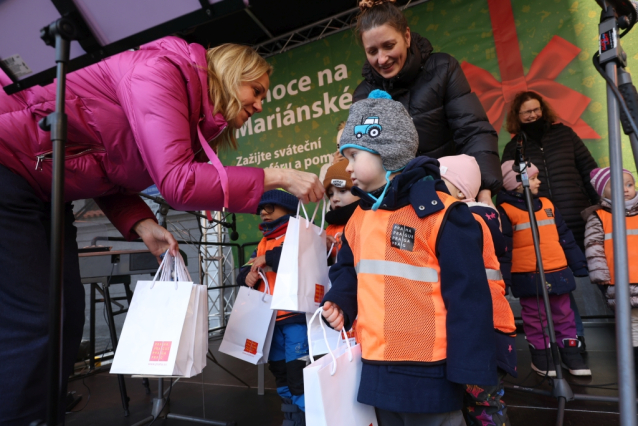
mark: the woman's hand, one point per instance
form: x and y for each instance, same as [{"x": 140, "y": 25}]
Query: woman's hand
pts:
[
  {"x": 485, "y": 197},
  {"x": 334, "y": 315},
  {"x": 156, "y": 238},
  {"x": 303, "y": 185}
]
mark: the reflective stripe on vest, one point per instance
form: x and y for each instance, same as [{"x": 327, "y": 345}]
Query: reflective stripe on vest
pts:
[
  {"x": 493, "y": 274},
  {"x": 501, "y": 311},
  {"x": 528, "y": 225},
  {"x": 396, "y": 269},
  {"x": 523, "y": 253},
  {"x": 401, "y": 312},
  {"x": 631, "y": 223},
  {"x": 610, "y": 236}
]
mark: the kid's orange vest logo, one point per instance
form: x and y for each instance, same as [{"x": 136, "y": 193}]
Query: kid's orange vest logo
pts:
[
  {"x": 251, "y": 347},
  {"x": 319, "y": 293},
  {"x": 160, "y": 351}
]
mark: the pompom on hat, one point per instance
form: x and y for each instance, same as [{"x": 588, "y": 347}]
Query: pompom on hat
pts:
[{"x": 509, "y": 175}]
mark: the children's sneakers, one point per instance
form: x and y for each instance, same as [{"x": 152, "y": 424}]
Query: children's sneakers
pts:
[
  {"x": 542, "y": 361},
  {"x": 572, "y": 358}
]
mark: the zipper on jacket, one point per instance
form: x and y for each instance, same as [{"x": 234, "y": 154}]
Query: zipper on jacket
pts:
[
  {"x": 549, "y": 186},
  {"x": 48, "y": 156}
]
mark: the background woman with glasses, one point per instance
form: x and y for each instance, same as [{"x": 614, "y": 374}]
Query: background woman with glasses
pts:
[{"x": 563, "y": 161}]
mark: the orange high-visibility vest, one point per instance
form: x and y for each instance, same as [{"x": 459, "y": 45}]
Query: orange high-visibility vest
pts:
[
  {"x": 503, "y": 316},
  {"x": 523, "y": 254},
  {"x": 632, "y": 244},
  {"x": 264, "y": 246},
  {"x": 335, "y": 231},
  {"x": 402, "y": 316}
]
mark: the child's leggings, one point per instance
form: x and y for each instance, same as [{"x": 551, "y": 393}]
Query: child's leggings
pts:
[{"x": 562, "y": 314}]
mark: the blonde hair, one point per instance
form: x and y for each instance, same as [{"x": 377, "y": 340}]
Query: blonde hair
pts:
[{"x": 229, "y": 65}]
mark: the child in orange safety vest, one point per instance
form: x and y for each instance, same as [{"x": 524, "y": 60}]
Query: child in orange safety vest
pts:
[
  {"x": 289, "y": 348},
  {"x": 599, "y": 242},
  {"x": 562, "y": 260},
  {"x": 342, "y": 204},
  {"x": 424, "y": 323},
  {"x": 483, "y": 405}
]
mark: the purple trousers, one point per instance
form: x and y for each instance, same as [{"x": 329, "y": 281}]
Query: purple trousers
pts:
[{"x": 562, "y": 314}]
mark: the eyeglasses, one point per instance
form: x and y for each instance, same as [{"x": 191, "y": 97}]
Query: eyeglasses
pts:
[
  {"x": 536, "y": 111},
  {"x": 268, "y": 208}
]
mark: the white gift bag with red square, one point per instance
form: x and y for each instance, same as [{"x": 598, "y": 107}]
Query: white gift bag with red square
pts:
[
  {"x": 166, "y": 328},
  {"x": 251, "y": 325},
  {"x": 302, "y": 276}
]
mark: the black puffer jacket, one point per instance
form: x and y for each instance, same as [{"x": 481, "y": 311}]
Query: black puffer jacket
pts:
[
  {"x": 448, "y": 116},
  {"x": 564, "y": 163}
]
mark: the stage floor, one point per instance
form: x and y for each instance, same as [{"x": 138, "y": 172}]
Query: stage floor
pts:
[{"x": 217, "y": 395}]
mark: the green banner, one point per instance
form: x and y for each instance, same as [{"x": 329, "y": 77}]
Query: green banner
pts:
[{"x": 311, "y": 87}]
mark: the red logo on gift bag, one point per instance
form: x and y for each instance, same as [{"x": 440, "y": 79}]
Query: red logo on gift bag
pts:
[
  {"x": 251, "y": 347},
  {"x": 319, "y": 292},
  {"x": 160, "y": 351}
]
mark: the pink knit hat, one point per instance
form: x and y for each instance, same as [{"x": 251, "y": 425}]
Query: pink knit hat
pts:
[
  {"x": 600, "y": 176},
  {"x": 509, "y": 176},
  {"x": 463, "y": 172}
]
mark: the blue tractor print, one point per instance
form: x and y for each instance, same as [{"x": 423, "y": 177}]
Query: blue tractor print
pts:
[{"x": 369, "y": 126}]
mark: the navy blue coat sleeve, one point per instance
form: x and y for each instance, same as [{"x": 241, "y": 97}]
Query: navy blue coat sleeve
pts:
[
  {"x": 575, "y": 257},
  {"x": 344, "y": 284},
  {"x": 492, "y": 219},
  {"x": 273, "y": 257},
  {"x": 241, "y": 276},
  {"x": 471, "y": 355},
  {"x": 506, "y": 258}
]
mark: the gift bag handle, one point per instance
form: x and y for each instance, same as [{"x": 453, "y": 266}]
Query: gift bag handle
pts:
[
  {"x": 314, "y": 214},
  {"x": 333, "y": 369},
  {"x": 267, "y": 290},
  {"x": 344, "y": 334}
]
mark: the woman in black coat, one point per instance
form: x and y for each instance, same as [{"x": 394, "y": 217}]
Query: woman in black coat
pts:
[
  {"x": 563, "y": 160},
  {"x": 431, "y": 86}
]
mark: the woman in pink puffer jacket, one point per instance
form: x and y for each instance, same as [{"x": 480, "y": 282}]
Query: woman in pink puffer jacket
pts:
[{"x": 151, "y": 116}]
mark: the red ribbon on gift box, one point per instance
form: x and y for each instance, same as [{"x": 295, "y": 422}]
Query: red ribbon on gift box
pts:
[{"x": 496, "y": 96}]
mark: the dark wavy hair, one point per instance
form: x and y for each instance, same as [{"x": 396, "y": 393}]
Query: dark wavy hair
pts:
[
  {"x": 513, "y": 123},
  {"x": 375, "y": 13}
]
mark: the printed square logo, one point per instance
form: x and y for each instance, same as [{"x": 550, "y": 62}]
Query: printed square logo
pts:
[
  {"x": 160, "y": 351},
  {"x": 251, "y": 347},
  {"x": 549, "y": 212},
  {"x": 319, "y": 293},
  {"x": 403, "y": 237}
]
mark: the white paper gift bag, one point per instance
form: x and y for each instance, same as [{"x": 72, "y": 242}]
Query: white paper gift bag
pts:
[
  {"x": 163, "y": 334},
  {"x": 302, "y": 276},
  {"x": 250, "y": 327},
  {"x": 331, "y": 385}
]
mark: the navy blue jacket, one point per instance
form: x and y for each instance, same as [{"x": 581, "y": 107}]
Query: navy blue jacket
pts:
[
  {"x": 526, "y": 284},
  {"x": 430, "y": 387},
  {"x": 491, "y": 218}
]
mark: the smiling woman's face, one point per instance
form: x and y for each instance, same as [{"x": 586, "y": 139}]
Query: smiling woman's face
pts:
[
  {"x": 251, "y": 94},
  {"x": 386, "y": 49}
]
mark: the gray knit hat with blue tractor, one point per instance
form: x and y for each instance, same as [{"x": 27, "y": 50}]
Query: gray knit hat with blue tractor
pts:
[{"x": 382, "y": 126}]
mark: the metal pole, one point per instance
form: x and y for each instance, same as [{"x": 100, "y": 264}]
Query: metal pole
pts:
[
  {"x": 57, "y": 122},
  {"x": 626, "y": 376}
]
